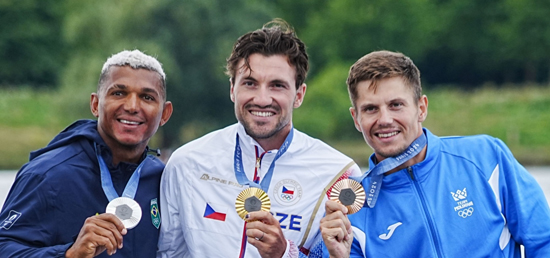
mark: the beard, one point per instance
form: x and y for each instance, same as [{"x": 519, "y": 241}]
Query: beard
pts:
[{"x": 262, "y": 130}]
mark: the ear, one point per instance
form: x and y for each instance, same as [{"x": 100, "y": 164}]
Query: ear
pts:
[
  {"x": 231, "y": 92},
  {"x": 353, "y": 113},
  {"x": 300, "y": 94},
  {"x": 166, "y": 112},
  {"x": 94, "y": 104},
  {"x": 423, "y": 108}
]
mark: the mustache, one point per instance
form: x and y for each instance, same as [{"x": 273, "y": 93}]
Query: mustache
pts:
[{"x": 273, "y": 107}]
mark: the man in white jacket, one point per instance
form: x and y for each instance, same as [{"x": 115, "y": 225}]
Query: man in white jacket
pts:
[{"x": 204, "y": 180}]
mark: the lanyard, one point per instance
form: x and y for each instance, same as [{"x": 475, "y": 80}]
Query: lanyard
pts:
[
  {"x": 377, "y": 173},
  {"x": 107, "y": 182},
  {"x": 239, "y": 168}
]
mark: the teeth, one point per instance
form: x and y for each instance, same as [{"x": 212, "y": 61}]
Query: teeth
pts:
[
  {"x": 264, "y": 114},
  {"x": 129, "y": 122},
  {"x": 385, "y": 135}
]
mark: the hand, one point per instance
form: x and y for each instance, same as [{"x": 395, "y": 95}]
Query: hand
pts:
[
  {"x": 264, "y": 232},
  {"x": 336, "y": 230},
  {"x": 99, "y": 233}
]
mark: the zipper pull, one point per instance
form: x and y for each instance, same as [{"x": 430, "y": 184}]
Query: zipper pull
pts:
[
  {"x": 410, "y": 170},
  {"x": 258, "y": 160}
]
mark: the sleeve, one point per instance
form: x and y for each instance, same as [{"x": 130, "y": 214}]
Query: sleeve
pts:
[
  {"x": 28, "y": 226},
  {"x": 524, "y": 205},
  {"x": 171, "y": 239},
  {"x": 320, "y": 250},
  {"x": 291, "y": 250}
]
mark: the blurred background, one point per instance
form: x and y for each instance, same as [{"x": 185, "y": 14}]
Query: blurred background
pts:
[{"x": 485, "y": 64}]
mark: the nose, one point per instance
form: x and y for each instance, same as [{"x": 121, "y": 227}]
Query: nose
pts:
[
  {"x": 263, "y": 97},
  {"x": 131, "y": 103},
  {"x": 385, "y": 117}
]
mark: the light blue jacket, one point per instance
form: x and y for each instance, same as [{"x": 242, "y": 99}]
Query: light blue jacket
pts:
[{"x": 468, "y": 198}]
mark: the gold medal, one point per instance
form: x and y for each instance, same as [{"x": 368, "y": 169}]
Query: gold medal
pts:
[
  {"x": 252, "y": 199},
  {"x": 349, "y": 193}
]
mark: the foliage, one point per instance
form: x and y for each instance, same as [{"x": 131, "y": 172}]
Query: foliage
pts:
[
  {"x": 465, "y": 42},
  {"x": 30, "y": 42},
  {"x": 63, "y": 44},
  {"x": 323, "y": 113}
]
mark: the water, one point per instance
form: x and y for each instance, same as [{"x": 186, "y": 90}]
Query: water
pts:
[{"x": 6, "y": 180}]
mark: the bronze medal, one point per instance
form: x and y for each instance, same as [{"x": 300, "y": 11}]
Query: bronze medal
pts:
[
  {"x": 349, "y": 193},
  {"x": 252, "y": 199}
]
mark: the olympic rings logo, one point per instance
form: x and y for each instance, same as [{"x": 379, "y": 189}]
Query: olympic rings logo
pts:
[
  {"x": 466, "y": 212},
  {"x": 287, "y": 197}
]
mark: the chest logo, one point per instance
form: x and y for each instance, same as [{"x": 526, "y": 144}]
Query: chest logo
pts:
[
  {"x": 464, "y": 208},
  {"x": 391, "y": 228},
  {"x": 287, "y": 192},
  {"x": 215, "y": 212}
]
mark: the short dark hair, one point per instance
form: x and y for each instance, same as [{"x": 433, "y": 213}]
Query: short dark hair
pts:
[
  {"x": 379, "y": 65},
  {"x": 274, "y": 38}
]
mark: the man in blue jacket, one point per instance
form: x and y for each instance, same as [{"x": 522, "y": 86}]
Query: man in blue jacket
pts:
[
  {"x": 428, "y": 196},
  {"x": 58, "y": 202}
]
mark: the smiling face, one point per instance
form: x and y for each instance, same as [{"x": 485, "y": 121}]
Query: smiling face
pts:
[
  {"x": 388, "y": 116},
  {"x": 265, "y": 97},
  {"x": 130, "y": 107}
]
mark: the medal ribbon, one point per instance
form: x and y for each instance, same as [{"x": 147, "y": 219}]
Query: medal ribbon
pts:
[
  {"x": 377, "y": 173},
  {"x": 239, "y": 168},
  {"x": 107, "y": 182}
]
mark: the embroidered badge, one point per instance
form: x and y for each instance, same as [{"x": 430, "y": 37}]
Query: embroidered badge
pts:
[
  {"x": 464, "y": 207},
  {"x": 11, "y": 219},
  {"x": 215, "y": 212},
  {"x": 287, "y": 192},
  {"x": 155, "y": 213}
]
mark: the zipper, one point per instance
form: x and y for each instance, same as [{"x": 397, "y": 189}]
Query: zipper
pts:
[{"x": 424, "y": 207}]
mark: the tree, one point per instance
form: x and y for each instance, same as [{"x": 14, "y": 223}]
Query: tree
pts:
[{"x": 30, "y": 42}]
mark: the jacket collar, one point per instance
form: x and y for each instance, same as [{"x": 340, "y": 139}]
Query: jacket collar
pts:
[{"x": 421, "y": 170}]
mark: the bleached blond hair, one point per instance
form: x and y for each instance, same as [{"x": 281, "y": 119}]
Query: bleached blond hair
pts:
[{"x": 135, "y": 59}]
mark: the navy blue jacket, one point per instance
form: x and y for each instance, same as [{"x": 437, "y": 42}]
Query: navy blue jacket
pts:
[{"x": 60, "y": 187}]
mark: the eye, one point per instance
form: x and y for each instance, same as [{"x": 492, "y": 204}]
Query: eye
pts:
[
  {"x": 396, "y": 104},
  {"x": 149, "y": 97},
  {"x": 117, "y": 93},
  {"x": 369, "y": 109},
  {"x": 248, "y": 83}
]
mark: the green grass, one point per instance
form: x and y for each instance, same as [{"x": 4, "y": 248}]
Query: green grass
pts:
[
  {"x": 29, "y": 120},
  {"x": 519, "y": 115}
]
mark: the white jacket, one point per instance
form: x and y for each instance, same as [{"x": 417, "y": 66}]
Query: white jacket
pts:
[{"x": 199, "y": 189}]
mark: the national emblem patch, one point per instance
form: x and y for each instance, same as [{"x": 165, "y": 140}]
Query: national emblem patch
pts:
[{"x": 155, "y": 213}]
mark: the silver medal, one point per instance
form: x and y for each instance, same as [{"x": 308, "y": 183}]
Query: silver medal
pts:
[{"x": 126, "y": 209}]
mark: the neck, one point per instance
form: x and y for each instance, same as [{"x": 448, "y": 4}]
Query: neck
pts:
[
  {"x": 130, "y": 158},
  {"x": 126, "y": 154},
  {"x": 122, "y": 152},
  {"x": 276, "y": 141},
  {"x": 271, "y": 143}
]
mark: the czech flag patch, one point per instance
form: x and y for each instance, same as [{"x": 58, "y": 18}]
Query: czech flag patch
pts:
[
  {"x": 210, "y": 213},
  {"x": 288, "y": 190}
]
